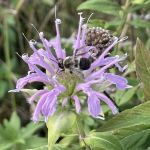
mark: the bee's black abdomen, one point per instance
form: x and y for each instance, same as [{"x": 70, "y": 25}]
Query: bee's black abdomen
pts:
[{"x": 84, "y": 63}]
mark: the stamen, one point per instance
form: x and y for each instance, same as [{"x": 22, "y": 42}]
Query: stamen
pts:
[
  {"x": 32, "y": 43},
  {"x": 25, "y": 37},
  {"x": 41, "y": 34},
  {"x": 34, "y": 27},
  {"x": 77, "y": 44},
  {"x": 55, "y": 12},
  {"x": 18, "y": 55},
  {"x": 47, "y": 48},
  {"x": 59, "y": 51},
  {"x": 123, "y": 39},
  {"x": 58, "y": 21},
  {"x": 47, "y": 66},
  {"x": 123, "y": 57},
  {"x": 80, "y": 13},
  {"x": 102, "y": 70},
  {"x": 84, "y": 33},
  {"x": 89, "y": 18},
  {"x": 95, "y": 63}
]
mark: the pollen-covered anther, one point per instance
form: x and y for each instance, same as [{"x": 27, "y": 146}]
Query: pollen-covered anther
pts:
[
  {"x": 41, "y": 34},
  {"x": 58, "y": 21}
]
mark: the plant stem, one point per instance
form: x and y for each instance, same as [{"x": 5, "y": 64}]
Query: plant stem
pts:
[
  {"x": 125, "y": 16},
  {"x": 126, "y": 19},
  {"x": 126, "y": 25},
  {"x": 81, "y": 133},
  {"x": 19, "y": 5},
  {"x": 8, "y": 62}
]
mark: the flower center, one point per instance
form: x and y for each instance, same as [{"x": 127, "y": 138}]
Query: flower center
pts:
[{"x": 69, "y": 80}]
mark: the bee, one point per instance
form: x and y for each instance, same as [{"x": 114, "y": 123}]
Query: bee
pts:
[
  {"x": 97, "y": 37},
  {"x": 75, "y": 64}
]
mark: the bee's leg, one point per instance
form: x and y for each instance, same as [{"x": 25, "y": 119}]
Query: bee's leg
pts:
[
  {"x": 59, "y": 71},
  {"x": 71, "y": 70}
]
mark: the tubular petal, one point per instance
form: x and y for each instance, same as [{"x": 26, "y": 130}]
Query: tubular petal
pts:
[{"x": 77, "y": 103}]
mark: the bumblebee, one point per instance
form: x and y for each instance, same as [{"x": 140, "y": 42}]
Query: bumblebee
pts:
[{"x": 75, "y": 64}]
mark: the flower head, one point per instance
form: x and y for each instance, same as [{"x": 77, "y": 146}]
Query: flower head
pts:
[{"x": 64, "y": 85}]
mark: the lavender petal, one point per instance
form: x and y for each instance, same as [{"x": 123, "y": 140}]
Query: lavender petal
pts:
[
  {"x": 77, "y": 103},
  {"x": 121, "y": 82},
  {"x": 110, "y": 104},
  {"x": 93, "y": 105},
  {"x": 38, "y": 108},
  {"x": 37, "y": 94}
]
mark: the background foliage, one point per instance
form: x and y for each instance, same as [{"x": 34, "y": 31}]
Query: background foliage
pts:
[{"x": 130, "y": 130}]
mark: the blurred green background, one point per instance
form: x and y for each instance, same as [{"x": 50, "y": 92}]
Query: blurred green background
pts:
[{"x": 122, "y": 17}]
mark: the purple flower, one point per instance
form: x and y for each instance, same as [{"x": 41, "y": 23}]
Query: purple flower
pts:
[{"x": 61, "y": 85}]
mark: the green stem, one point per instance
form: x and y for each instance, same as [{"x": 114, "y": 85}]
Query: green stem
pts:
[
  {"x": 19, "y": 5},
  {"x": 81, "y": 133},
  {"x": 8, "y": 62},
  {"x": 125, "y": 16},
  {"x": 124, "y": 25}
]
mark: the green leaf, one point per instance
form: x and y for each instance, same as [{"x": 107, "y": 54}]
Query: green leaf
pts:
[
  {"x": 68, "y": 140},
  {"x": 142, "y": 61},
  {"x": 136, "y": 137},
  {"x": 131, "y": 127},
  {"x": 59, "y": 123},
  {"x": 132, "y": 138},
  {"x": 30, "y": 129},
  {"x": 10, "y": 132},
  {"x": 44, "y": 147},
  {"x": 60, "y": 148},
  {"x": 96, "y": 23},
  {"x": 10, "y": 129},
  {"x": 137, "y": 1},
  {"x": 132, "y": 117},
  {"x": 140, "y": 94},
  {"x": 102, "y": 140},
  {"x": 15, "y": 121},
  {"x": 12, "y": 135},
  {"x": 135, "y": 7},
  {"x": 4, "y": 144},
  {"x": 138, "y": 23},
  {"x": 49, "y": 2},
  {"x": 34, "y": 142},
  {"x": 10, "y": 20},
  {"x": 122, "y": 97},
  {"x": 113, "y": 23},
  {"x": 104, "y": 6},
  {"x": 131, "y": 68}
]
